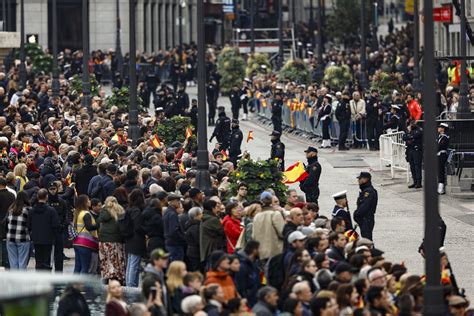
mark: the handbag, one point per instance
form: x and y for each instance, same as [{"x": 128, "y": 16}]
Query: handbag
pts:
[{"x": 72, "y": 233}]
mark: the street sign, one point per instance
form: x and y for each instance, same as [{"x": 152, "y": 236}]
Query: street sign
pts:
[{"x": 443, "y": 14}]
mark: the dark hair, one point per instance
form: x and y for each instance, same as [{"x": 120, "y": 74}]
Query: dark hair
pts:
[
  {"x": 121, "y": 195},
  {"x": 336, "y": 221},
  {"x": 229, "y": 207},
  {"x": 312, "y": 243},
  {"x": 343, "y": 295},
  {"x": 319, "y": 259},
  {"x": 242, "y": 184},
  {"x": 81, "y": 202},
  {"x": 20, "y": 203},
  {"x": 333, "y": 236},
  {"x": 373, "y": 293},
  {"x": 318, "y": 303},
  {"x": 43, "y": 194},
  {"x": 136, "y": 199},
  {"x": 232, "y": 258},
  {"x": 209, "y": 204},
  {"x": 312, "y": 206},
  {"x": 154, "y": 203},
  {"x": 209, "y": 291},
  {"x": 290, "y": 305},
  {"x": 147, "y": 283},
  {"x": 251, "y": 246},
  {"x": 191, "y": 276},
  {"x": 95, "y": 202}
]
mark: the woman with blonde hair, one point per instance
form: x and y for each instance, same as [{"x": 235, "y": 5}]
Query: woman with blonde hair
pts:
[
  {"x": 115, "y": 306},
  {"x": 111, "y": 243},
  {"x": 174, "y": 282},
  {"x": 20, "y": 176}
]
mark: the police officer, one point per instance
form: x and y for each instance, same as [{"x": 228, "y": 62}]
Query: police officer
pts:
[
  {"x": 343, "y": 116},
  {"x": 372, "y": 108},
  {"x": 234, "y": 97},
  {"x": 182, "y": 99},
  {"x": 310, "y": 185},
  {"x": 342, "y": 209},
  {"x": 222, "y": 129},
  {"x": 278, "y": 149},
  {"x": 236, "y": 138},
  {"x": 393, "y": 124},
  {"x": 443, "y": 145},
  {"x": 277, "y": 107},
  {"x": 212, "y": 96},
  {"x": 414, "y": 153},
  {"x": 364, "y": 215}
]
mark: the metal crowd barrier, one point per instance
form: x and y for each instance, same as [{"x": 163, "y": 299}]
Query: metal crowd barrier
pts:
[{"x": 392, "y": 151}]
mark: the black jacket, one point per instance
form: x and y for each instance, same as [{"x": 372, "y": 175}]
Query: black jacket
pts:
[
  {"x": 73, "y": 303},
  {"x": 7, "y": 198},
  {"x": 247, "y": 280},
  {"x": 222, "y": 129},
  {"x": 234, "y": 97},
  {"x": 136, "y": 244},
  {"x": 61, "y": 207},
  {"x": 83, "y": 176},
  {"x": 43, "y": 224},
  {"x": 153, "y": 226},
  {"x": 366, "y": 203},
  {"x": 311, "y": 183},
  {"x": 343, "y": 111},
  {"x": 235, "y": 142},
  {"x": 192, "y": 238},
  {"x": 174, "y": 235}
]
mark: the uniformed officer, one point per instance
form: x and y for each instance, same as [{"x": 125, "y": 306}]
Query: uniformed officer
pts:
[
  {"x": 343, "y": 115},
  {"x": 310, "y": 185},
  {"x": 182, "y": 99},
  {"x": 414, "y": 153},
  {"x": 394, "y": 122},
  {"x": 443, "y": 145},
  {"x": 364, "y": 215},
  {"x": 236, "y": 138},
  {"x": 235, "y": 102},
  {"x": 212, "y": 93},
  {"x": 342, "y": 208},
  {"x": 222, "y": 129},
  {"x": 278, "y": 149},
  {"x": 277, "y": 107}
]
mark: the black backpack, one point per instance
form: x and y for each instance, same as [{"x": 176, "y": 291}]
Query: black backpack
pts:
[
  {"x": 125, "y": 225},
  {"x": 276, "y": 271}
]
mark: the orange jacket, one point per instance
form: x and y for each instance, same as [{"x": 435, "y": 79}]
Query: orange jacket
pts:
[{"x": 225, "y": 281}]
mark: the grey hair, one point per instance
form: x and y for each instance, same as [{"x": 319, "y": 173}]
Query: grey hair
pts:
[
  {"x": 265, "y": 291},
  {"x": 189, "y": 304},
  {"x": 194, "y": 212},
  {"x": 299, "y": 287}
]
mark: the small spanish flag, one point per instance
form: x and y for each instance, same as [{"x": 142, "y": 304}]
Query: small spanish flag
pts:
[
  {"x": 105, "y": 144},
  {"x": 224, "y": 155},
  {"x": 155, "y": 141},
  {"x": 68, "y": 179},
  {"x": 294, "y": 173},
  {"x": 189, "y": 132},
  {"x": 26, "y": 148},
  {"x": 94, "y": 153},
  {"x": 182, "y": 169},
  {"x": 250, "y": 136},
  {"x": 351, "y": 235},
  {"x": 120, "y": 139}
]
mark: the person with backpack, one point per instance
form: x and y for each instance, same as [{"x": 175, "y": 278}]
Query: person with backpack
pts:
[
  {"x": 111, "y": 242},
  {"x": 132, "y": 226},
  {"x": 102, "y": 185}
]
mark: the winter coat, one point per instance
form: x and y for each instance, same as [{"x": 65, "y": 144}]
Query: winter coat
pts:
[
  {"x": 136, "y": 244},
  {"x": 263, "y": 309},
  {"x": 108, "y": 229},
  {"x": 232, "y": 230},
  {"x": 211, "y": 235},
  {"x": 7, "y": 198},
  {"x": 225, "y": 281},
  {"x": 83, "y": 176},
  {"x": 247, "y": 280},
  {"x": 153, "y": 225},
  {"x": 357, "y": 109},
  {"x": 192, "y": 238},
  {"x": 43, "y": 224},
  {"x": 174, "y": 235},
  {"x": 107, "y": 183},
  {"x": 268, "y": 229}
]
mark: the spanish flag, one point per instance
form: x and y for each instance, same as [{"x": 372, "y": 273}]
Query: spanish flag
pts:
[
  {"x": 120, "y": 139},
  {"x": 68, "y": 179},
  {"x": 294, "y": 173},
  {"x": 351, "y": 235},
  {"x": 258, "y": 94},
  {"x": 182, "y": 169},
  {"x": 224, "y": 155},
  {"x": 250, "y": 136},
  {"x": 94, "y": 153},
  {"x": 26, "y": 148},
  {"x": 105, "y": 144},
  {"x": 155, "y": 141},
  {"x": 189, "y": 132}
]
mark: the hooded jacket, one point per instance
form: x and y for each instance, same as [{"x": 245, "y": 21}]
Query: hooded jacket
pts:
[
  {"x": 225, "y": 281},
  {"x": 211, "y": 235},
  {"x": 43, "y": 224}
]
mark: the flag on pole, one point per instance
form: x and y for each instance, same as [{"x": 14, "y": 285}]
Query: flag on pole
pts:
[
  {"x": 189, "y": 132},
  {"x": 68, "y": 179},
  {"x": 250, "y": 136},
  {"x": 155, "y": 141},
  {"x": 295, "y": 173}
]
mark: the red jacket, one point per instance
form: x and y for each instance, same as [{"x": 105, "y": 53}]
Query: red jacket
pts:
[
  {"x": 232, "y": 230},
  {"x": 415, "y": 110},
  {"x": 225, "y": 281}
]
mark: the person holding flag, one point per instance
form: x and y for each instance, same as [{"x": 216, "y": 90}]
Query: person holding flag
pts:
[
  {"x": 278, "y": 149},
  {"x": 310, "y": 185},
  {"x": 236, "y": 138}
]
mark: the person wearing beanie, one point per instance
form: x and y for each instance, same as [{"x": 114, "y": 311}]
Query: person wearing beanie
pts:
[{"x": 219, "y": 274}]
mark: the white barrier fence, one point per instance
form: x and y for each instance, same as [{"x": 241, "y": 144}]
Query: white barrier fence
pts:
[{"x": 392, "y": 151}]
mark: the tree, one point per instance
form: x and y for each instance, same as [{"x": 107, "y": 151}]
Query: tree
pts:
[
  {"x": 344, "y": 22},
  {"x": 386, "y": 82},
  {"x": 296, "y": 70},
  {"x": 121, "y": 99},
  {"x": 173, "y": 129},
  {"x": 337, "y": 76},
  {"x": 76, "y": 85},
  {"x": 258, "y": 64},
  {"x": 231, "y": 67}
]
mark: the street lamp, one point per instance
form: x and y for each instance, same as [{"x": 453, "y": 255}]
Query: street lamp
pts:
[
  {"x": 252, "y": 26},
  {"x": 433, "y": 291},
  {"x": 280, "y": 33},
  {"x": 180, "y": 25},
  {"x": 118, "y": 45},
  {"x": 311, "y": 23},
  {"x": 86, "y": 85},
  {"x": 55, "y": 83},
  {"x": 320, "y": 66},
  {"x": 463, "y": 111},
  {"x": 22, "y": 47},
  {"x": 416, "y": 48},
  {"x": 363, "y": 77},
  {"x": 134, "y": 130},
  {"x": 203, "y": 177}
]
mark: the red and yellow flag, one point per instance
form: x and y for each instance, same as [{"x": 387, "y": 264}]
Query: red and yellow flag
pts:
[
  {"x": 189, "y": 132},
  {"x": 68, "y": 179},
  {"x": 294, "y": 173},
  {"x": 250, "y": 136},
  {"x": 155, "y": 141},
  {"x": 120, "y": 139},
  {"x": 351, "y": 235},
  {"x": 258, "y": 94},
  {"x": 263, "y": 102},
  {"x": 182, "y": 169},
  {"x": 26, "y": 148},
  {"x": 94, "y": 153},
  {"x": 224, "y": 155}
]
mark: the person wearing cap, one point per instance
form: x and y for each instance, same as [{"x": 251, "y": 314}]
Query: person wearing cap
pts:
[
  {"x": 343, "y": 116},
  {"x": 222, "y": 129},
  {"x": 393, "y": 124},
  {"x": 235, "y": 101},
  {"x": 358, "y": 113},
  {"x": 212, "y": 92},
  {"x": 236, "y": 138},
  {"x": 324, "y": 116},
  {"x": 443, "y": 145},
  {"x": 296, "y": 240},
  {"x": 414, "y": 152},
  {"x": 218, "y": 273},
  {"x": 373, "y": 108},
  {"x": 458, "y": 305},
  {"x": 342, "y": 208},
  {"x": 364, "y": 215},
  {"x": 310, "y": 185},
  {"x": 277, "y": 108},
  {"x": 277, "y": 151},
  {"x": 156, "y": 270},
  {"x": 62, "y": 209},
  {"x": 174, "y": 235}
]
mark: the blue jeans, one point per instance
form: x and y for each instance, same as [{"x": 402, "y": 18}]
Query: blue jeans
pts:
[
  {"x": 132, "y": 272},
  {"x": 176, "y": 253},
  {"x": 18, "y": 254},
  {"x": 82, "y": 259}
]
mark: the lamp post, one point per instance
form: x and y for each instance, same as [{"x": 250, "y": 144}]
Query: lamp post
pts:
[
  {"x": 203, "y": 178},
  {"x": 433, "y": 300},
  {"x": 363, "y": 76},
  {"x": 463, "y": 111},
  {"x": 252, "y": 26},
  {"x": 280, "y": 33},
  {"x": 55, "y": 83},
  {"x": 118, "y": 45},
  {"x": 4, "y": 15},
  {"x": 320, "y": 66},
  {"x": 134, "y": 130},
  {"x": 416, "y": 48},
  {"x": 86, "y": 85},
  {"x": 311, "y": 23},
  {"x": 180, "y": 25},
  {"x": 22, "y": 46}
]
